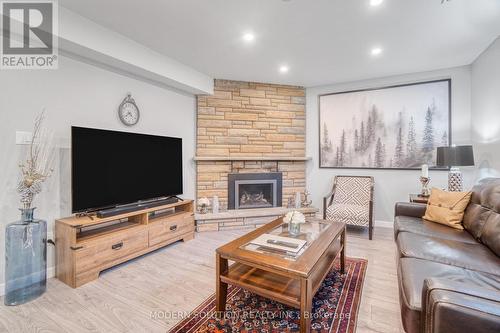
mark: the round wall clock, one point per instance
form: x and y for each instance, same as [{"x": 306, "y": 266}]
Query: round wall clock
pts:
[{"x": 128, "y": 111}]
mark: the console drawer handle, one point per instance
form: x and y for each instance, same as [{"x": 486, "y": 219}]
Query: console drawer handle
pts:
[
  {"x": 117, "y": 246},
  {"x": 173, "y": 228}
]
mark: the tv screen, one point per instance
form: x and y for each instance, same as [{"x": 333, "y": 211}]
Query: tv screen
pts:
[{"x": 112, "y": 168}]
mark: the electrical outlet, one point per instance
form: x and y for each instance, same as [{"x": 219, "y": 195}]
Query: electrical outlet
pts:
[{"x": 23, "y": 138}]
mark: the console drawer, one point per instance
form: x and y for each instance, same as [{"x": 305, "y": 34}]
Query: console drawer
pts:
[
  {"x": 162, "y": 231},
  {"x": 107, "y": 251}
]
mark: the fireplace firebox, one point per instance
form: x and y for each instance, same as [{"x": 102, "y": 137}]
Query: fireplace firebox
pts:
[{"x": 254, "y": 190}]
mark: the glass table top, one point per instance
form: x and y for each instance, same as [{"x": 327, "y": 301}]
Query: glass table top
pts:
[{"x": 309, "y": 232}]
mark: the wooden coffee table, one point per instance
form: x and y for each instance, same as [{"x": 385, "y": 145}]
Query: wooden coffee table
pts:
[{"x": 292, "y": 280}]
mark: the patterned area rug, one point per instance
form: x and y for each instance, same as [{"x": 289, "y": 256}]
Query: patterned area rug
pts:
[{"x": 335, "y": 308}]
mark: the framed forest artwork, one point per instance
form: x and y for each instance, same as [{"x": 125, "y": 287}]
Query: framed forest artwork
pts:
[{"x": 396, "y": 127}]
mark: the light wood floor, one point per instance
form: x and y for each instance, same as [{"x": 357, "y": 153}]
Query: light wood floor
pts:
[{"x": 178, "y": 278}]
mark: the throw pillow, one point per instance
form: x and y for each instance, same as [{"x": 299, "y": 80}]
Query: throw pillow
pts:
[{"x": 447, "y": 207}]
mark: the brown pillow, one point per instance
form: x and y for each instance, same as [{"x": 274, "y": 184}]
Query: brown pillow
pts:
[{"x": 447, "y": 207}]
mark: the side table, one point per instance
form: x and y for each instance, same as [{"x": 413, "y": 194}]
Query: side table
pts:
[{"x": 418, "y": 198}]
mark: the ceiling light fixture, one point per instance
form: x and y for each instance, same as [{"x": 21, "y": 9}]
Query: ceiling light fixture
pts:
[
  {"x": 248, "y": 37},
  {"x": 376, "y": 51},
  {"x": 375, "y": 3},
  {"x": 284, "y": 69}
]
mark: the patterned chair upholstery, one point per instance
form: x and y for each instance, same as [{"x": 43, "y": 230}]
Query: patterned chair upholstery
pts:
[{"x": 351, "y": 201}]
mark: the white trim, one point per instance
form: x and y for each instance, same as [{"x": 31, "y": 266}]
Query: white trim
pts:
[
  {"x": 51, "y": 272},
  {"x": 384, "y": 224}
]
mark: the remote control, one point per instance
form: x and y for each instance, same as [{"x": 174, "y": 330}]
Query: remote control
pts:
[{"x": 281, "y": 243}]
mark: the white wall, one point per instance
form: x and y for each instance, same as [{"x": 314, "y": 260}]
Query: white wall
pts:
[
  {"x": 486, "y": 111},
  {"x": 84, "y": 95},
  {"x": 390, "y": 186}
]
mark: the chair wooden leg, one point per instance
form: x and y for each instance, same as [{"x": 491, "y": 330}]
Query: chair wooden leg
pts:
[
  {"x": 370, "y": 221},
  {"x": 370, "y": 230}
]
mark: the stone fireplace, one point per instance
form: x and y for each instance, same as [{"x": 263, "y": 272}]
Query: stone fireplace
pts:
[
  {"x": 254, "y": 190},
  {"x": 248, "y": 128}
]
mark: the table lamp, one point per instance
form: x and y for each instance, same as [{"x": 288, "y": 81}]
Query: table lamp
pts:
[{"x": 453, "y": 157}]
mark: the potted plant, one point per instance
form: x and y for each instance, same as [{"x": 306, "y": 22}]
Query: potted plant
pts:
[
  {"x": 294, "y": 220},
  {"x": 203, "y": 205}
]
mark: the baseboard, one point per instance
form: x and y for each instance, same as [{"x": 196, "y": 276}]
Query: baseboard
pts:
[
  {"x": 384, "y": 224},
  {"x": 51, "y": 272}
]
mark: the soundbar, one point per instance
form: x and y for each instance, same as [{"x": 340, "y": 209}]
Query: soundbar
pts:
[{"x": 133, "y": 207}]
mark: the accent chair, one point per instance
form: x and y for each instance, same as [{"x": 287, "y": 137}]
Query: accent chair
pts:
[{"x": 351, "y": 201}]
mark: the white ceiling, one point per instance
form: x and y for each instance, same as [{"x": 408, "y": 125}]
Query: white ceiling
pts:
[{"x": 322, "y": 41}]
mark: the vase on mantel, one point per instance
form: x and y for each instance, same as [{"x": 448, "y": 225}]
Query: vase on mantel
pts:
[{"x": 25, "y": 259}]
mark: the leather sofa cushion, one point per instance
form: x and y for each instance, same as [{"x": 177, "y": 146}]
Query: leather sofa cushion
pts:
[
  {"x": 411, "y": 275},
  {"x": 475, "y": 217},
  {"x": 422, "y": 227},
  {"x": 490, "y": 235},
  {"x": 485, "y": 200},
  {"x": 470, "y": 256}
]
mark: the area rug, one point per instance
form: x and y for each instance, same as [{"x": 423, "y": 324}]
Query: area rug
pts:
[{"x": 335, "y": 308}]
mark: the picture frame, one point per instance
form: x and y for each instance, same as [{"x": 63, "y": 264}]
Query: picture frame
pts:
[{"x": 394, "y": 127}]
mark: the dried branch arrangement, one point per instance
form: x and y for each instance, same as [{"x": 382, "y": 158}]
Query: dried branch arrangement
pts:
[{"x": 36, "y": 168}]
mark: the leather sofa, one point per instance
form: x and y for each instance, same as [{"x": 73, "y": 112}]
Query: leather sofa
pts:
[{"x": 449, "y": 279}]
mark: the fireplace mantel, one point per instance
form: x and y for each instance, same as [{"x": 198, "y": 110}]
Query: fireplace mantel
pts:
[{"x": 251, "y": 158}]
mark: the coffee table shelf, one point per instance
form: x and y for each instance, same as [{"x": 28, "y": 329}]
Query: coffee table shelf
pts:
[{"x": 264, "y": 283}]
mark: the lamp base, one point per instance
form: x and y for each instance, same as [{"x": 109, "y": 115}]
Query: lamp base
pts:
[{"x": 455, "y": 180}]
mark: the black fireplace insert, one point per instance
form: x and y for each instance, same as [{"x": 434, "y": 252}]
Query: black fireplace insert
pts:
[{"x": 254, "y": 190}]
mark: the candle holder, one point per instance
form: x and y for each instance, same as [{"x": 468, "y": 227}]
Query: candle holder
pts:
[
  {"x": 425, "y": 190},
  {"x": 306, "y": 202}
]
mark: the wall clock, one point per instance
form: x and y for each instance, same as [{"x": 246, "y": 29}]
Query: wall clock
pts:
[{"x": 128, "y": 111}]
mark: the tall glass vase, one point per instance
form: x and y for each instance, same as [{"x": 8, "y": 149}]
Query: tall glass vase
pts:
[{"x": 25, "y": 259}]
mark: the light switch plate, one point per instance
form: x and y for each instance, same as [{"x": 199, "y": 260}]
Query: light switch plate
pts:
[{"x": 23, "y": 138}]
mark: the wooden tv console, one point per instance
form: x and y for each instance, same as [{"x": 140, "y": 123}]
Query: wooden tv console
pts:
[{"x": 85, "y": 246}]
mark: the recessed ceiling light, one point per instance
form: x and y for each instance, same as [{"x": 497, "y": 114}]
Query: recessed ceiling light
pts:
[
  {"x": 376, "y": 51},
  {"x": 375, "y": 2},
  {"x": 284, "y": 69},
  {"x": 248, "y": 37}
]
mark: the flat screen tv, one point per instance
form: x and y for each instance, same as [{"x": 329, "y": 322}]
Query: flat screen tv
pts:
[{"x": 111, "y": 168}]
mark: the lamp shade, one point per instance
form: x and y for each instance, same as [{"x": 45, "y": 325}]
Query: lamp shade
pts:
[{"x": 455, "y": 156}]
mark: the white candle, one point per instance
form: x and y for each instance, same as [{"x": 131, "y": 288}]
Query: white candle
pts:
[
  {"x": 215, "y": 204},
  {"x": 297, "y": 200},
  {"x": 425, "y": 171}
]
